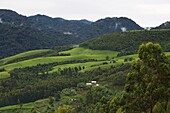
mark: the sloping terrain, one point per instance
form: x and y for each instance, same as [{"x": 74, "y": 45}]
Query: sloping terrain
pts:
[{"x": 128, "y": 42}]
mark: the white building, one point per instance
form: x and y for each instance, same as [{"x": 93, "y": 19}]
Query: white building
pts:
[
  {"x": 93, "y": 82},
  {"x": 88, "y": 84}
]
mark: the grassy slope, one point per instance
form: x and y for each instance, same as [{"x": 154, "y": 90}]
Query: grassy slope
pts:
[
  {"x": 25, "y": 54},
  {"x": 76, "y": 54},
  {"x": 4, "y": 75},
  {"x": 26, "y": 108}
]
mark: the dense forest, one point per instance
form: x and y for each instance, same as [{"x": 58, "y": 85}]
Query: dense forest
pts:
[
  {"x": 32, "y": 83},
  {"x": 15, "y": 40},
  {"x": 128, "y": 42}
]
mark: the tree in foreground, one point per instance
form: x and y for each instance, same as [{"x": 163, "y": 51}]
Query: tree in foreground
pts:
[{"x": 149, "y": 81}]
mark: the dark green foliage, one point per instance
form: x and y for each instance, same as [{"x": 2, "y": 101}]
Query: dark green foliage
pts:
[
  {"x": 107, "y": 57},
  {"x": 20, "y": 39},
  {"x": 125, "y": 60},
  {"x": 28, "y": 85},
  {"x": 128, "y": 59},
  {"x": 128, "y": 42},
  {"x": 114, "y": 61},
  {"x": 97, "y": 99},
  {"x": 148, "y": 83},
  {"x": 116, "y": 103},
  {"x": 33, "y": 83},
  {"x": 105, "y": 63},
  {"x": 2, "y": 69}
]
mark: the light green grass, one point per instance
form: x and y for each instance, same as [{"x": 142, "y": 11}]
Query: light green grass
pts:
[
  {"x": 121, "y": 59},
  {"x": 76, "y": 54},
  {"x": 167, "y": 53},
  {"x": 97, "y": 54},
  {"x": 42, "y": 60},
  {"x": 87, "y": 65},
  {"x": 24, "y": 54},
  {"x": 25, "y": 106},
  {"x": 95, "y": 64},
  {"x": 4, "y": 75}
]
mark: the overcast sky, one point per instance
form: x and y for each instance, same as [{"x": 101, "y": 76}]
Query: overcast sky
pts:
[{"x": 147, "y": 13}]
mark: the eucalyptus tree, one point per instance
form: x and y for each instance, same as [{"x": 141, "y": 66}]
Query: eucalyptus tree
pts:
[{"x": 149, "y": 80}]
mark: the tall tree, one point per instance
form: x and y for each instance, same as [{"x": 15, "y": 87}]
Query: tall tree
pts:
[{"x": 149, "y": 81}]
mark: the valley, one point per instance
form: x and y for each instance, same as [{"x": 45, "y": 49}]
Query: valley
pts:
[{"x": 54, "y": 65}]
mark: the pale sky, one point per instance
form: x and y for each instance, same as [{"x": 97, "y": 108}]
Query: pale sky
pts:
[{"x": 147, "y": 13}]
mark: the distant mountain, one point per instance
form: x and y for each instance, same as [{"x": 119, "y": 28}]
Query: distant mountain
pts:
[
  {"x": 83, "y": 28},
  {"x": 86, "y": 21},
  {"x": 54, "y": 31},
  {"x": 165, "y": 25},
  {"x": 17, "y": 39},
  {"x": 109, "y": 25}
]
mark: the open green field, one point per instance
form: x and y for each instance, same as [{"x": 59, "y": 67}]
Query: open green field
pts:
[
  {"x": 21, "y": 55},
  {"x": 77, "y": 53},
  {"x": 4, "y": 75},
  {"x": 98, "y": 54}
]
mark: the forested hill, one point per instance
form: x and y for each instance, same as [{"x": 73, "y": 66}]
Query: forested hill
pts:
[
  {"x": 16, "y": 39},
  {"x": 128, "y": 42},
  {"x": 165, "y": 25},
  {"x": 83, "y": 28},
  {"x": 19, "y": 33}
]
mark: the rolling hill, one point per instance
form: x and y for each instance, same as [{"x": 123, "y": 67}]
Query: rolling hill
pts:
[
  {"x": 19, "y": 33},
  {"x": 109, "y": 71},
  {"x": 128, "y": 42},
  {"x": 52, "y": 78},
  {"x": 165, "y": 25}
]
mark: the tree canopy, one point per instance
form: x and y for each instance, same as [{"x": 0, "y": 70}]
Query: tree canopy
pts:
[{"x": 148, "y": 83}]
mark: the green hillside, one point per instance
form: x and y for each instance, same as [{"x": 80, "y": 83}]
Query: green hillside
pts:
[
  {"x": 21, "y": 55},
  {"x": 53, "y": 65},
  {"x": 77, "y": 53},
  {"x": 128, "y": 42}
]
